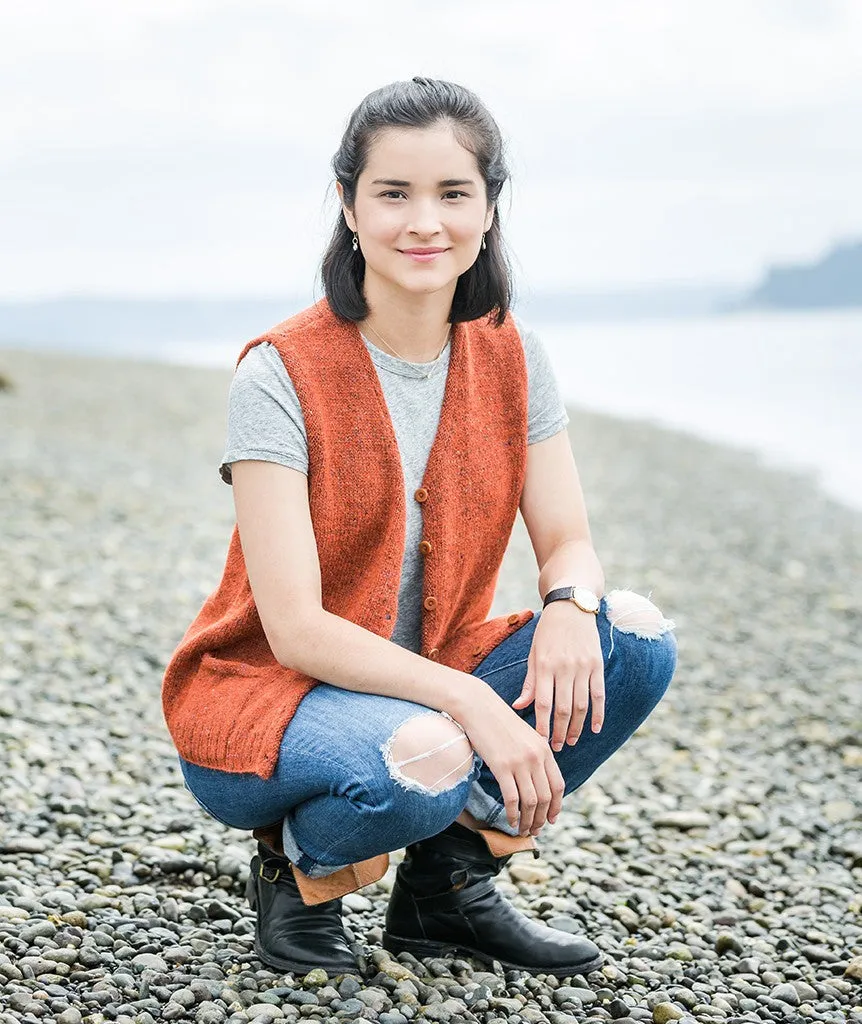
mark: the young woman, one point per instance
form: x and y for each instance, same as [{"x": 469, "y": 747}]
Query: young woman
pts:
[{"x": 343, "y": 693}]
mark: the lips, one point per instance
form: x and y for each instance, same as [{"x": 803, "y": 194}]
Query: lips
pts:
[{"x": 422, "y": 255}]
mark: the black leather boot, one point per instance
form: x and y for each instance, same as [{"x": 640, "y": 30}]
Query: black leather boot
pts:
[
  {"x": 444, "y": 902},
  {"x": 288, "y": 934}
]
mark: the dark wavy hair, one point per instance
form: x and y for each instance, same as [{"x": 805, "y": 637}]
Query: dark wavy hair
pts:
[{"x": 486, "y": 288}]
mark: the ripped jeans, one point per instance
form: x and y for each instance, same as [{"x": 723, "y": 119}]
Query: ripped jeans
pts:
[{"x": 343, "y": 791}]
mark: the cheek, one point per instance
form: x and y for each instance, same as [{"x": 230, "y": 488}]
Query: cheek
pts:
[
  {"x": 467, "y": 228},
  {"x": 383, "y": 227}
]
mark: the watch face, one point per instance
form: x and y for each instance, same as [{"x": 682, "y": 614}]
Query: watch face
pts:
[{"x": 585, "y": 599}]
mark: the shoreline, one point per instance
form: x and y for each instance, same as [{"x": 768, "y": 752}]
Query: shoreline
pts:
[
  {"x": 709, "y": 849},
  {"x": 820, "y": 452}
]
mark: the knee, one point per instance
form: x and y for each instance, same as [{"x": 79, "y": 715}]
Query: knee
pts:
[
  {"x": 648, "y": 643},
  {"x": 629, "y": 612},
  {"x": 429, "y": 753}
]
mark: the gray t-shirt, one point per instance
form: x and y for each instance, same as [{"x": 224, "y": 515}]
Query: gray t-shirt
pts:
[{"x": 265, "y": 422}]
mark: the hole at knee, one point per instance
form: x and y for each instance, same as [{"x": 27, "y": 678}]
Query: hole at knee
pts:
[
  {"x": 428, "y": 754},
  {"x": 629, "y": 612}
]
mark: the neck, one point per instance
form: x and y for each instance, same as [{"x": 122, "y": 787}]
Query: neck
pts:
[{"x": 414, "y": 325}]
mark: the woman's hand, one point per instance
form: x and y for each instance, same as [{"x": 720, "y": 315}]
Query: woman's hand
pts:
[
  {"x": 520, "y": 760},
  {"x": 565, "y": 668}
]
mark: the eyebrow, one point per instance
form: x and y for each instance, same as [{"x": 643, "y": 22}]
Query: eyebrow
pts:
[{"x": 447, "y": 183}]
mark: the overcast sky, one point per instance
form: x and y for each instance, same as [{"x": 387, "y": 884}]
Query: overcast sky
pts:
[{"x": 182, "y": 147}]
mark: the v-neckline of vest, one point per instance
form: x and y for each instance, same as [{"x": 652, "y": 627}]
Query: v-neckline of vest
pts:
[{"x": 454, "y": 372}]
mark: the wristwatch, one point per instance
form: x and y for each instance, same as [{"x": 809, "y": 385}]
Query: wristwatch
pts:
[{"x": 583, "y": 597}]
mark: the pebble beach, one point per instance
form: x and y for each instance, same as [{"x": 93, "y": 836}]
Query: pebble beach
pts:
[{"x": 716, "y": 859}]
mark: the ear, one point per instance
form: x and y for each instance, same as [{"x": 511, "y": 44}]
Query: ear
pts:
[
  {"x": 348, "y": 216},
  {"x": 489, "y": 220}
]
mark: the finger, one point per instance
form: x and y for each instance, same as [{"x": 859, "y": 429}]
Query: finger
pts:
[
  {"x": 511, "y": 797},
  {"x": 528, "y": 801},
  {"x": 557, "y": 786},
  {"x": 543, "y": 799},
  {"x": 563, "y": 702},
  {"x": 581, "y": 703},
  {"x": 528, "y": 690},
  {"x": 597, "y": 697},
  {"x": 544, "y": 700}
]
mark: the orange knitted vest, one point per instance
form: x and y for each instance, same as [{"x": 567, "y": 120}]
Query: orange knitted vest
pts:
[{"x": 226, "y": 699}]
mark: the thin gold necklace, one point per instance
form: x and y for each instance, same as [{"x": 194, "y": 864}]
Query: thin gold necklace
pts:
[{"x": 436, "y": 360}]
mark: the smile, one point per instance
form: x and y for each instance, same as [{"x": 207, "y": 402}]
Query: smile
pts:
[{"x": 422, "y": 257}]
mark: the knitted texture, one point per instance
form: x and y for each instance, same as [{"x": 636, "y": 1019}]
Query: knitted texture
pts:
[{"x": 226, "y": 699}]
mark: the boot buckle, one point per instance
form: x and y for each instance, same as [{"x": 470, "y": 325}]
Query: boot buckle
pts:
[{"x": 274, "y": 878}]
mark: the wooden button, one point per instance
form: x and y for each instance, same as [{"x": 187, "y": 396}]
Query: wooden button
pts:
[
  {"x": 434, "y": 653},
  {"x": 421, "y": 494},
  {"x": 477, "y": 653},
  {"x": 430, "y": 603},
  {"x": 513, "y": 618},
  {"x": 425, "y": 546}
]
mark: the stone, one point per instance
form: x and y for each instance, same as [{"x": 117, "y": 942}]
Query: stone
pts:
[
  {"x": 151, "y": 961},
  {"x": 682, "y": 820},
  {"x": 396, "y": 971},
  {"x": 264, "y": 1010},
  {"x": 528, "y": 873},
  {"x": 664, "y": 1012},
  {"x": 838, "y": 811},
  {"x": 567, "y": 994},
  {"x": 355, "y": 901},
  {"x": 727, "y": 942},
  {"x": 786, "y": 993},
  {"x": 23, "y": 844},
  {"x": 13, "y": 914},
  {"x": 209, "y": 1013}
]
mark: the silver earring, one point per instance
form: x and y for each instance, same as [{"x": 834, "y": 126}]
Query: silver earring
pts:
[
  {"x": 483, "y": 241},
  {"x": 355, "y": 241}
]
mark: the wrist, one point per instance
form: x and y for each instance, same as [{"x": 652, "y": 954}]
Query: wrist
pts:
[
  {"x": 572, "y": 581},
  {"x": 582, "y": 597},
  {"x": 465, "y": 694}
]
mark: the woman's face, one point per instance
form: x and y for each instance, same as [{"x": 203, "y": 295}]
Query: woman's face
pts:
[{"x": 420, "y": 189}]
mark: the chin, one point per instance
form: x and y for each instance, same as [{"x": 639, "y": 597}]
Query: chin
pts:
[{"x": 419, "y": 284}]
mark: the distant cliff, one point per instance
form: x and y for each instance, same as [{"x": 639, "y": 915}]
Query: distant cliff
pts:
[{"x": 835, "y": 280}]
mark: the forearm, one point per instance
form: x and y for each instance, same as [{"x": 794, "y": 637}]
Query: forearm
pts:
[
  {"x": 573, "y": 563},
  {"x": 334, "y": 649}
]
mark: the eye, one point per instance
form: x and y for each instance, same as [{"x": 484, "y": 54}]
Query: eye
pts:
[
  {"x": 456, "y": 193},
  {"x": 392, "y": 192}
]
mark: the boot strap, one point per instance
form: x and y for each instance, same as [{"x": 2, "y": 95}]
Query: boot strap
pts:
[
  {"x": 461, "y": 896},
  {"x": 501, "y": 844},
  {"x": 339, "y": 883}
]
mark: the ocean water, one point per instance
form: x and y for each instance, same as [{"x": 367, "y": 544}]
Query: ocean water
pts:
[{"x": 785, "y": 385}]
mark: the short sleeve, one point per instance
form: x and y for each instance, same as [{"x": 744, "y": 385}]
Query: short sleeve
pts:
[
  {"x": 547, "y": 413},
  {"x": 264, "y": 418}
]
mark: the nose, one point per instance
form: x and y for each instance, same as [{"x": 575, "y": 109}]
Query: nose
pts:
[{"x": 424, "y": 220}]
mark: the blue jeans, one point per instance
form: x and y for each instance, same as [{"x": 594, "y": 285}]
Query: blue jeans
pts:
[{"x": 333, "y": 789}]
